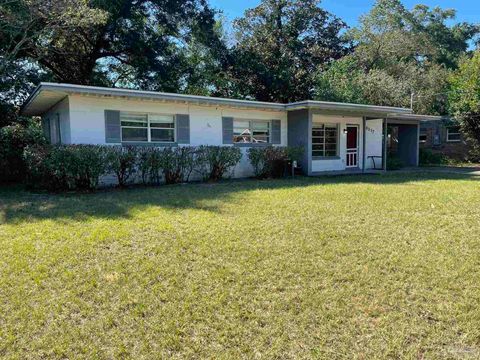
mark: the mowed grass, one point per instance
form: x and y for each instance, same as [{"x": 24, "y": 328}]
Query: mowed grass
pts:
[{"x": 358, "y": 267}]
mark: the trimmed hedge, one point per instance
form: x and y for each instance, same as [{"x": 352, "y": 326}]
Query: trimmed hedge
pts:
[
  {"x": 272, "y": 162},
  {"x": 13, "y": 140},
  {"x": 80, "y": 167},
  {"x": 214, "y": 162},
  {"x": 65, "y": 167},
  {"x": 122, "y": 161},
  {"x": 175, "y": 165}
]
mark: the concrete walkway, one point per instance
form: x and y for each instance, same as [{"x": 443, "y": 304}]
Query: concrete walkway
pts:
[{"x": 472, "y": 171}]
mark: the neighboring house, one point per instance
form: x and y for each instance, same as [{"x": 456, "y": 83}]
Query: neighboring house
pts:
[
  {"x": 443, "y": 137},
  {"x": 336, "y": 137}
]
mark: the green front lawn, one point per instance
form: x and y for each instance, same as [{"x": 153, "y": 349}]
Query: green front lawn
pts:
[{"x": 348, "y": 267}]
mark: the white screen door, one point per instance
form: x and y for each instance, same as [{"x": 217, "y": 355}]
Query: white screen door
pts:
[{"x": 352, "y": 146}]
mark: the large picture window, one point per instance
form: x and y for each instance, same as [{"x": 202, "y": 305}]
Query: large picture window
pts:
[
  {"x": 325, "y": 140},
  {"x": 147, "y": 127},
  {"x": 251, "y": 131}
]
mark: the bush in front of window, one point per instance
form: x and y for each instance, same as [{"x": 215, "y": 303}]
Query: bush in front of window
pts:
[
  {"x": 273, "y": 162},
  {"x": 149, "y": 165},
  {"x": 177, "y": 163},
  {"x": 65, "y": 167},
  {"x": 171, "y": 165},
  {"x": 213, "y": 162},
  {"x": 122, "y": 161}
]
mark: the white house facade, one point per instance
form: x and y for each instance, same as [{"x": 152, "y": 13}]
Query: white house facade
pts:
[{"x": 336, "y": 137}]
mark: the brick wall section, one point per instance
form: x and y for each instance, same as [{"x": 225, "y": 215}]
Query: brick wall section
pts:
[{"x": 436, "y": 133}]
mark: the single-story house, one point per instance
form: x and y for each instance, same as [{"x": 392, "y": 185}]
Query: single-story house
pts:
[{"x": 336, "y": 137}]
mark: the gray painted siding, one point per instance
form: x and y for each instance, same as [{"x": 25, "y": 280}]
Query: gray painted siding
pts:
[{"x": 298, "y": 135}]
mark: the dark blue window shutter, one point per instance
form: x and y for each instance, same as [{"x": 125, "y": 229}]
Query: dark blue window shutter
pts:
[
  {"x": 183, "y": 129},
  {"x": 276, "y": 132},
  {"x": 112, "y": 127},
  {"x": 227, "y": 128}
]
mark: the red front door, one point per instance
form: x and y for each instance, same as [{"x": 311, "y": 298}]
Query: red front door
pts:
[{"x": 352, "y": 146}]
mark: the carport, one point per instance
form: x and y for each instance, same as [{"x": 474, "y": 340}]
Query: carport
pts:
[{"x": 402, "y": 138}]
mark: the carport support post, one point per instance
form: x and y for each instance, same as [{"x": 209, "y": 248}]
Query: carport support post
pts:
[
  {"x": 364, "y": 155},
  {"x": 385, "y": 134},
  {"x": 418, "y": 144}
]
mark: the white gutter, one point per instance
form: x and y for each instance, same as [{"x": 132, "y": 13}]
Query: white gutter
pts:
[{"x": 326, "y": 105}]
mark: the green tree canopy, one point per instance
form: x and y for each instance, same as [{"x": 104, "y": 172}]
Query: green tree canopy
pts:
[
  {"x": 139, "y": 43},
  {"x": 280, "y": 45},
  {"x": 464, "y": 97},
  {"x": 150, "y": 44},
  {"x": 399, "y": 52},
  {"x": 28, "y": 26}
]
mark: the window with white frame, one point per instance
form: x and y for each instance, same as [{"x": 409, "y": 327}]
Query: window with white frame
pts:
[
  {"x": 325, "y": 140},
  {"x": 453, "y": 134},
  {"x": 251, "y": 131},
  {"x": 138, "y": 127}
]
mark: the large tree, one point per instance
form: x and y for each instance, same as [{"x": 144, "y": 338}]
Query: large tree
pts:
[
  {"x": 464, "y": 98},
  {"x": 399, "y": 52},
  {"x": 28, "y": 26},
  {"x": 140, "y": 43},
  {"x": 151, "y": 44},
  {"x": 280, "y": 44}
]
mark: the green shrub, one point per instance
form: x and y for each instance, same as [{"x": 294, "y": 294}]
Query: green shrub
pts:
[
  {"x": 122, "y": 161},
  {"x": 294, "y": 153},
  {"x": 150, "y": 166},
  {"x": 13, "y": 140},
  {"x": 48, "y": 167},
  {"x": 40, "y": 174},
  {"x": 427, "y": 157},
  {"x": 272, "y": 161},
  {"x": 394, "y": 163},
  {"x": 177, "y": 163},
  {"x": 62, "y": 167},
  {"x": 86, "y": 164},
  {"x": 213, "y": 162}
]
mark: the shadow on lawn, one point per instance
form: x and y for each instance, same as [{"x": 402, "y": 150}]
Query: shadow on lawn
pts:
[{"x": 18, "y": 205}]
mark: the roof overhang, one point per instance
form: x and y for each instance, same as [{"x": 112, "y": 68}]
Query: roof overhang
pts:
[
  {"x": 348, "y": 108},
  {"x": 47, "y": 95},
  {"x": 41, "y": 100},
  {"x": 415, "y": 117}
]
